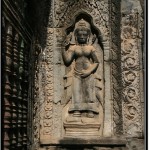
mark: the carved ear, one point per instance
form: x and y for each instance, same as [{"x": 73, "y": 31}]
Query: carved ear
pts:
[{"x": 93, "y": 39}]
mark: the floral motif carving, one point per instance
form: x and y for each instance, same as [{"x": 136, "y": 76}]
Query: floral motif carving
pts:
[
  {"x": 47, "y": 106},
  {"x": 43, "y": 95},
  {"x": 97, "y": 9},
  {"x": 130, "y": 62},
  {"x": 131, "y": 75}
]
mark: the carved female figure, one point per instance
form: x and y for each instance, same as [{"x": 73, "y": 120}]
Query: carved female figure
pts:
[{"x": 83, "y": 76}]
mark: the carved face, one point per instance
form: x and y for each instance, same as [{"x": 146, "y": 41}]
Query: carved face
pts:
[{"x": 82, "y": 36}]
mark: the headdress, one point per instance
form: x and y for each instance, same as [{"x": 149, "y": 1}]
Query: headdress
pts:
[{"x": 82, "y": 24}]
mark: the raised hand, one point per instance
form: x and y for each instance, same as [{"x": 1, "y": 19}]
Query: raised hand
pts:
[{"x": 68, "y": 39}]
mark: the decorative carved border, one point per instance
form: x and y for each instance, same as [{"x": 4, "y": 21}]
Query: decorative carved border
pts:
[
  {"x": 43, "y": 105},
  {"x": 131, "y": 72},
  {"x": 66, "y": 11}
]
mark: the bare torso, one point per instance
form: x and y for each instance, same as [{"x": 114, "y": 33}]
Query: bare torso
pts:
[{"x": 82, "y": 57}]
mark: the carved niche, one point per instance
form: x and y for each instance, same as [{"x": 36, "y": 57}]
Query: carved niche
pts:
[
  {"x": 53, "y": 118},
  {"x": 60, "y": 110},
  {"x": 82, "y": 114},
  {"x": 70, "y": 93}
]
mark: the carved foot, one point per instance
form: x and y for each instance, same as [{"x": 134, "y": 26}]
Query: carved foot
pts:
[
  {"x": 77, "y": 114},
  {"x": 90, "y": 114},
  {"x": 73, "y": 119},
  {"x": 89, "y": 120}
]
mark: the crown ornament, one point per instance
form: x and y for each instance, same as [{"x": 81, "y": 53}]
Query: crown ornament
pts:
[{"x": 82, "y": 24}]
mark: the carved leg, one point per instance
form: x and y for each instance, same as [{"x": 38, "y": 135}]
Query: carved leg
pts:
[{"x": 76, "y": 96}]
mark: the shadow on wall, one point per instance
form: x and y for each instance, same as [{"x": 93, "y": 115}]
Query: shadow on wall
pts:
[{"x": 40, "y": 18}]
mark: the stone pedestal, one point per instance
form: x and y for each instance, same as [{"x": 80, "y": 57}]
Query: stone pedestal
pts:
[
  {"x": 82, "y": 130},
  {"x": 82, "y": 125}
]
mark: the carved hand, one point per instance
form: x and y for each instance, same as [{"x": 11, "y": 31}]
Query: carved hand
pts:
[
  {"x": 68, "y": 39},
  {"x": 86, "y": 73}
]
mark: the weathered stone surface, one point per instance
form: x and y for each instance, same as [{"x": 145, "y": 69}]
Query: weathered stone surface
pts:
[
  {"x": 117, "y": 29},
  {"x": 131, "y": 64},
  {"x": 69, "y": 106},
  {"x": 84, "y": 114},
  {"x": 67, "y": 141},
  {"x": 135, "y": 144}
]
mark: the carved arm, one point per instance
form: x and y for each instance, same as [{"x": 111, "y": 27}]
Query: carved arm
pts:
[
  {"x": 96, "y": 61},
  {"x": 93, "y": 67},
  {"x": 68, "y": 56}
]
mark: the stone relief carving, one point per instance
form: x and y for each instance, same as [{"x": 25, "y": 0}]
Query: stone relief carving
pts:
[
  {"x": 131, "y": 75},
  {"x": 103, "y": 26},
  {"x": 47, "y": 89},
  {"x": 43, "y": 95},
  {"x": 97, "y": 9},
  {"x": 52, "y": 112},
  {"x": 82, "y": 83}
]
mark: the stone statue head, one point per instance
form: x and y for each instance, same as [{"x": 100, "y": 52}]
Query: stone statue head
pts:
[{"x": 82, "y": 32}]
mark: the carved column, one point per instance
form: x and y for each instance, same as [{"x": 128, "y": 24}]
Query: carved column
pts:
[
  {"x": 14, "y": 92},
  {"x": 25, "y": 89},
  {"x": 20, "y": 93},
  {"x": 108, "y": 131},
  {"x": 7, "y": 109},
  {"x": 15, "y": 28},
  {"x": 47, "y": 91}
]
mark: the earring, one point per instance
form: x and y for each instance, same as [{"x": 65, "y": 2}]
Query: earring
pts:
[{"x": 88, "y": 38}]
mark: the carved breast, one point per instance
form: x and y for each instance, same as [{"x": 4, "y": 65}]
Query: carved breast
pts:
[
  {"x": 83, "y": 50},
  {"x": 83, "y": 57}
]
